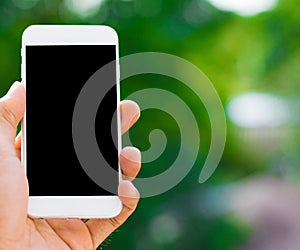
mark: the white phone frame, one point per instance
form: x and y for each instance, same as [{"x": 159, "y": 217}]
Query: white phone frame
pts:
[{"x": 71, "y": 206}]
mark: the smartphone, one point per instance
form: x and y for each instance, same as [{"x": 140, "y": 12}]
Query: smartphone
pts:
[{"x": 57, "y": 63}]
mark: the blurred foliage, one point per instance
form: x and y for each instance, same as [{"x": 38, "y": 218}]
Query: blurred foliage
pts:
[{"x": 239, "y": 54}]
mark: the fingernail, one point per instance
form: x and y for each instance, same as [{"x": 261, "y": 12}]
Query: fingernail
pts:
[
  {"x": 128, "y": 190},
  {"x": 13, "y": 88},
  {"x": 132, "y": 154},
  {"x": 134, "y": 119},
  {"x": 133, "y": 192}
]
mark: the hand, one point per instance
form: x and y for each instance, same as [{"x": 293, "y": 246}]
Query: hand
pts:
[{"x": 17, "y": 230}]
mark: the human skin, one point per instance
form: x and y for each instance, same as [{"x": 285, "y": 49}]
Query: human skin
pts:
[{"x": 17, "y": 229}]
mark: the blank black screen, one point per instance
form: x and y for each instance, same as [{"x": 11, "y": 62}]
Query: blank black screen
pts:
[{"x": 54, "y": 77}]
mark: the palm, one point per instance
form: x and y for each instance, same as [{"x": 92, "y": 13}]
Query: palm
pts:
[
  {"x": 66, "y": 234},
  {"x": 63, "y": 233}
]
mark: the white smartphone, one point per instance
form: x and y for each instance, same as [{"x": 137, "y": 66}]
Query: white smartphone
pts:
[{"x": 58, "y": 63}]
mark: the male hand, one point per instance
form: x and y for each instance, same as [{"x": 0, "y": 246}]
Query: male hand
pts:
[{"x": 17, "y": 230}]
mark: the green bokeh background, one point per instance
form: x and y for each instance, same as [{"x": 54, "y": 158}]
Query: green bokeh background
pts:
[{"x": 239, "y": 54}]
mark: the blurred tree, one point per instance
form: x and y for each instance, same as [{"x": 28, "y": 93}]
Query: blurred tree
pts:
[{"x": 239, "y": 54}]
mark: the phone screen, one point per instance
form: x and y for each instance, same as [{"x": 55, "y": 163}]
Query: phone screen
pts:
[{"x": 55, "y": 75}]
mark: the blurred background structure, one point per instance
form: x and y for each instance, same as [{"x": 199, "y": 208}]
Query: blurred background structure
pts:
[{"x": 250, "y": 49}]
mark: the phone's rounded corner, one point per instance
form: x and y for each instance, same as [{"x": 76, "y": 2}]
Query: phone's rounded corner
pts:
[
  {"x": 118, "y": 209},
  {"x": 110, "y": 30},
  {"x": 27, "y": 31},
  {"x": 32, "y": 215}
]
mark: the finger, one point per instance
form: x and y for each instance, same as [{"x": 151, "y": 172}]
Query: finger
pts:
[
  {"x": 130, "y": 113},
  {"x": 130, "y": 161},
  {"x": 12, "y": 107},
  {"x": 18, "y": 141},
  {"x": 73, "y": 232},
  {"x": 100, "y": 229}
]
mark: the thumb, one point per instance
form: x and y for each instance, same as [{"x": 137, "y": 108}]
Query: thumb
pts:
[
  {"x": 12, "y": 107},
  {"x": 13, "y": 184}
]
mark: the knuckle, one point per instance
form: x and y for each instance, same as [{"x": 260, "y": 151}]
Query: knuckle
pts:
[{"x": 115, "y": 222}]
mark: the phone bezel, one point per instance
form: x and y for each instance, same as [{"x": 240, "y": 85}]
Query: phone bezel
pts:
[{"x": 75, "y": 206}]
